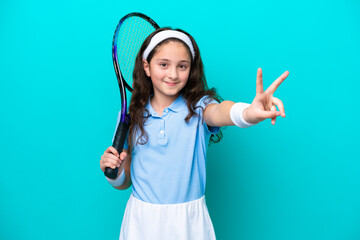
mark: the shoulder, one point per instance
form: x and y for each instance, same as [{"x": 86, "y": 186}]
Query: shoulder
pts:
[
  {"x": 205, "y": 101},
  {"x": 202, "y": 105}
]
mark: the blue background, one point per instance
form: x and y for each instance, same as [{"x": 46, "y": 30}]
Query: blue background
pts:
[{"x": 59, "y": 101}]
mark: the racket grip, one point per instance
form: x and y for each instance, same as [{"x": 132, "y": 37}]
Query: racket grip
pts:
[{"x": 118, "y": 144}]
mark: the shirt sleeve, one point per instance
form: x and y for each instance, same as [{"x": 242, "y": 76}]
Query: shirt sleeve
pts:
[
  {"x": 126, "y": 145},
  {"x": 203, "y": 103}
]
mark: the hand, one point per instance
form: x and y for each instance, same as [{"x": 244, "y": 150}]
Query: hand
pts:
[
  {"x": 264, "y": 104},
  {"x": 111, "y": 158}
]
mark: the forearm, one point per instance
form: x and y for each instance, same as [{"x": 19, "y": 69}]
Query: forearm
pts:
[
  {"x": 227, "y": 113},
  {"x": 219, "y": 114}
]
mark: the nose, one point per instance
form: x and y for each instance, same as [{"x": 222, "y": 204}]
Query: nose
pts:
[{"x": 172, "y": 74}]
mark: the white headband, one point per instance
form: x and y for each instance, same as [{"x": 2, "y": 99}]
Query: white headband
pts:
[{"x": 161, "y": 36}]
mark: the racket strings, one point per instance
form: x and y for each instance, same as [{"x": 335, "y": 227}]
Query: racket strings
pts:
[{"x": 132, "y": 34}]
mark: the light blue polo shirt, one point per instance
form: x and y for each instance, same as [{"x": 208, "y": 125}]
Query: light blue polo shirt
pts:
[{"x": 171, "y": 167}]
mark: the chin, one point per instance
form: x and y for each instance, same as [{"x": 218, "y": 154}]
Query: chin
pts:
[
  {"x": 173, "y": 91},
  {"x": 173, "y": 94}
]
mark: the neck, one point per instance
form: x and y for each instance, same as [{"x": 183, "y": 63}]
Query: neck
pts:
[{"x": 159, "y": 103}]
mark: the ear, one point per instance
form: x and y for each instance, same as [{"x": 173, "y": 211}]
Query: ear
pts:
[{"x": 146, "y": 66}]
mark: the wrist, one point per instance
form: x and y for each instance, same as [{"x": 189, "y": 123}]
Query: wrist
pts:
[
  {"x": 238, "y": 115},
  {"x": 119, "y": 180},
  {"x": 246, "y": 116}
]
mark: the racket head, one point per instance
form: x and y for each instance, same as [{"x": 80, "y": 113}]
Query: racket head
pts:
[{"x": 129, "y": 35}]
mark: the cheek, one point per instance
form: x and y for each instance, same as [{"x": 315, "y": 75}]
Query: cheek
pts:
[
  {"x": 157, "y": 76},
  {"x": 185, "y": 76},
  {"x": 156, "y": 73}
]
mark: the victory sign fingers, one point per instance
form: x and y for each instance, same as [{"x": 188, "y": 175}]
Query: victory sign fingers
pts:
[
  {"x": 264, "y": 104},
  {"x": 272, "y": 88}
]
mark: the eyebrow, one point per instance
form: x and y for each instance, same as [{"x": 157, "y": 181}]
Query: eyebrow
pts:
[{"x": 167, "y": 60}]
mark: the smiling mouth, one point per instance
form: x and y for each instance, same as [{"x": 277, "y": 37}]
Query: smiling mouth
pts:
[{"x": 171, "y": 84}]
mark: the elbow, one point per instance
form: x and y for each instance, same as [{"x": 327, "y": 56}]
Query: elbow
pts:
[{"x": 126, "y": 184}]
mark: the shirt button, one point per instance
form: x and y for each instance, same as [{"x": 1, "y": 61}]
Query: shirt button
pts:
[
  {"x": 162, "y": 131},
  {"x": 166, "y": 110}
]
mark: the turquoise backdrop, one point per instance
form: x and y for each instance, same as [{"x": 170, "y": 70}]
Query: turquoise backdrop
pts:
[{"x": 59, "y": 101}]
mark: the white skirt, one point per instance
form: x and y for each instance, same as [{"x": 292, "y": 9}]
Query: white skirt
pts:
[{"x": 183, "y": 221}]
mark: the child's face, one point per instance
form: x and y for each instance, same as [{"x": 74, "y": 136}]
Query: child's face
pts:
[{"x": 169, "y": 69}]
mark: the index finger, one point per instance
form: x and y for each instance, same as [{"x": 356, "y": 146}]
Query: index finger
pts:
[
  {"x": 259, "y": 81},
  {"x": 271, "y": 89},
  {"x": 112, "y": 150}
]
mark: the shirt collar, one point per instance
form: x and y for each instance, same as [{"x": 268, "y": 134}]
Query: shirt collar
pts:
[
  {"x": 175, "y": 106},
  {"x": 178, "y": 104}
]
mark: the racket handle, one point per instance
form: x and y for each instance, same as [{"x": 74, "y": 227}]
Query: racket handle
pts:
[{"x": 118, "y": 144}]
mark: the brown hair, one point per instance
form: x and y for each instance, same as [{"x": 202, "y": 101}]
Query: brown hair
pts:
[{"x": 195, "y": 88}]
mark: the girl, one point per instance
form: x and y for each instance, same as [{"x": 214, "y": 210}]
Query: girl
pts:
[{"x": 173, "y": 117}]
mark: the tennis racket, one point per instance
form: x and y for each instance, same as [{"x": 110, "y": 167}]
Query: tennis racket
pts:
[{"x": 129, "y": 35}]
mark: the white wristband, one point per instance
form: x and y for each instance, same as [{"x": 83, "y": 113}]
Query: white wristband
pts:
[
  {"x": 236, "y": 115},
  {"x": 118, "y": 181}
]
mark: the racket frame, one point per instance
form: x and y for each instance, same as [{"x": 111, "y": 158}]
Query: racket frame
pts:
[{"x": 124, "y": 122}]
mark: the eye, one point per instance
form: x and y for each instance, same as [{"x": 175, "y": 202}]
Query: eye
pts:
[
  {"x": 163, "y": 65},
  {"x": 183, "y": 67}
]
